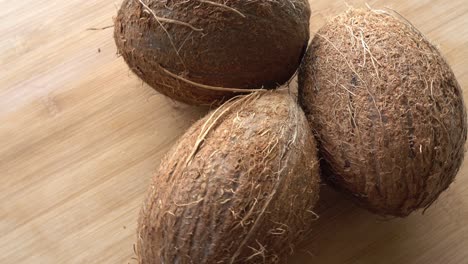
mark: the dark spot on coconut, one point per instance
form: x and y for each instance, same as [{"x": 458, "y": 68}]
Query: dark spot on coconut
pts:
[
  {"x": 354, "y": 81},
  {"x": 347, "y": 164},
  {"x": 138, "y": 71}
]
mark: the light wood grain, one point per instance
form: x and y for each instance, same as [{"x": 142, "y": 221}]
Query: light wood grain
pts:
[{"x": 80, "y": 137}]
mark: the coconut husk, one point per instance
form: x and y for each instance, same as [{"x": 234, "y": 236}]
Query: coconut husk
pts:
[
  {"x": 239, "y": 187},
  {"x": 205, "y": 52},
  {"x": 387, "y": 111}
]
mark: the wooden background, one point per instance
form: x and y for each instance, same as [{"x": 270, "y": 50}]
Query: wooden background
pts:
[{"x": 80, "y": 137}]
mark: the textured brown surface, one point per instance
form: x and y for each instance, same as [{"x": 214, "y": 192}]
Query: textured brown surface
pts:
[
  {"x": 387, "y": 110},
  {"x": 243, "y": 44},
  {"x": 245, "y": 194},
  {"x": 81, "y": 137}
]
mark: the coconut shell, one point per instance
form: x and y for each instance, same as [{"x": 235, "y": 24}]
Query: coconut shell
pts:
[
  {"x": 204, "y": 52},
  {"x": 239, "y": 187},
  {"x": 386, "y": 109}
]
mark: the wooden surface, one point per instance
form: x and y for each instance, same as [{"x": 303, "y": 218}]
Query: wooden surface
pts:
[{"x": 80, "y": 137}]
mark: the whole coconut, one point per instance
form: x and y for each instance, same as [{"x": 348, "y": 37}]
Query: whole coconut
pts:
[
  {"x": 387, "y": 111},
  {"x": 239, "y": 187},
  {"x": 203, "y": 52}
]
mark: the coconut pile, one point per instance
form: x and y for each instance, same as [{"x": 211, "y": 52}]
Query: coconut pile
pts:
[{"x": 379, "y": 116}]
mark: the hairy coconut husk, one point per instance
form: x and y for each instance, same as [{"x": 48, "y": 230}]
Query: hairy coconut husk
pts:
[
  {"x": 204, "y": 52},
  {"x": 387, "y": 111},
  {"x": 239, "y": 187}
]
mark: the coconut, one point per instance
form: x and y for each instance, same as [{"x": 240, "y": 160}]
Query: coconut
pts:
[
  {"x": 203, "y": 52},
  {"x": 387, "y": 111},
  {"x": 239, "y": 187}
]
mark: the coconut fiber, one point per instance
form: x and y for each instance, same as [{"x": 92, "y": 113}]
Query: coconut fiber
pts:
[
  {"x": 239, "y": 187},
  {"x": 204, "y": 52},
  {"x": 386, "y": 109}
]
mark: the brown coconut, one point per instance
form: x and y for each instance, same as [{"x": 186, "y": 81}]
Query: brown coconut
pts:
[
  {"x": 239, "y": 187},
  {"x": 203, "y": 52},
  {"x": 387, "y": 111}
]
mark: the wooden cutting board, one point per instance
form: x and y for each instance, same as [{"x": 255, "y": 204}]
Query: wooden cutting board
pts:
[{"x": 81, "y": 135}]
